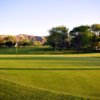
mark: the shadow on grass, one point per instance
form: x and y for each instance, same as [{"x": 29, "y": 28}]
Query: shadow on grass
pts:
[
  {"x": 48, "y": 58},
  {"x": 50, "y": 68},
  {"x": 32, "y": 58}
]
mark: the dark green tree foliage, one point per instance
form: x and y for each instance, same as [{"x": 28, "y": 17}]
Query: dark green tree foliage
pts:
[
  {"x": 2, "y": 42},
  {"x": 79, "y": 29},
  {"x": 95, "y": 41},
  {"x": 9, "y": 41},
  {"x": 23, "y": 42},
  {"x": 96, "y": 29},
  {"x": 81, "y": 37},
  {"x": 57, "y": 38}
]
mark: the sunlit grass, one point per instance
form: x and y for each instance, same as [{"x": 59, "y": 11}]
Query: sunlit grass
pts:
[{"x": 25, "y": 82}]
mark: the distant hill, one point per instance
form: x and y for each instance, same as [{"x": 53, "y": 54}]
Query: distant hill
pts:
[{"x": 32, "y": 38}]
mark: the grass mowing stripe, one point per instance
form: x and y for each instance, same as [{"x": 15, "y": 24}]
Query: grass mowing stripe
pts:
[
  {"x": 50, "y": 68},
  {"x": 45, "y": 58},
  {"x": 54, "y": 55}
]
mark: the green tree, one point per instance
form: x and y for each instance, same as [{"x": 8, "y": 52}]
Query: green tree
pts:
[
  {"x": 81, "y": 37},
  {"x": 2, "y": 42},
  {"x": 37, "y": 43},
  {"x": 96, "y": 29},
  {"x": 10, "y": 41},
  {"x": 57, "y": 37},
  {"x": 95, "y": 41},
  {"x": 23, "y": 42}
]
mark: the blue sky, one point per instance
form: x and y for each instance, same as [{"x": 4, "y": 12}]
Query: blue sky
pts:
[{"x": 36, "y": 17}]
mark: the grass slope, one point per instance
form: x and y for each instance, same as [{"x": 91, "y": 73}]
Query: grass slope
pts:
[
  {"x": 80, "y": 83},
  {"x": 13, "y": 91}
]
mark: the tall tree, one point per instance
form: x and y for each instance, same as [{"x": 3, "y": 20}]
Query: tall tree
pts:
[
  {"x": 95, "y": 41},
  {"x": 2, "y": 42},
  {"x": 96, "y": 29},
  {"x": 57, "y": 37},
  {"x": 10, "y": 41},
  {"x": 81, "y": 37}
]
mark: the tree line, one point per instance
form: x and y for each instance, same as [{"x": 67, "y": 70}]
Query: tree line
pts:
[
  {"x": 80, "y": 38},
  {"x": 20, "y": 40},
  {"x": 84, "y": 37}
]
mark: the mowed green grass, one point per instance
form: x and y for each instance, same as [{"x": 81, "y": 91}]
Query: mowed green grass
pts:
[
  {"x": 50, "y": 61},
  {"x": 50, "y": 77},
  {"x": 29, "y": 50}
]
